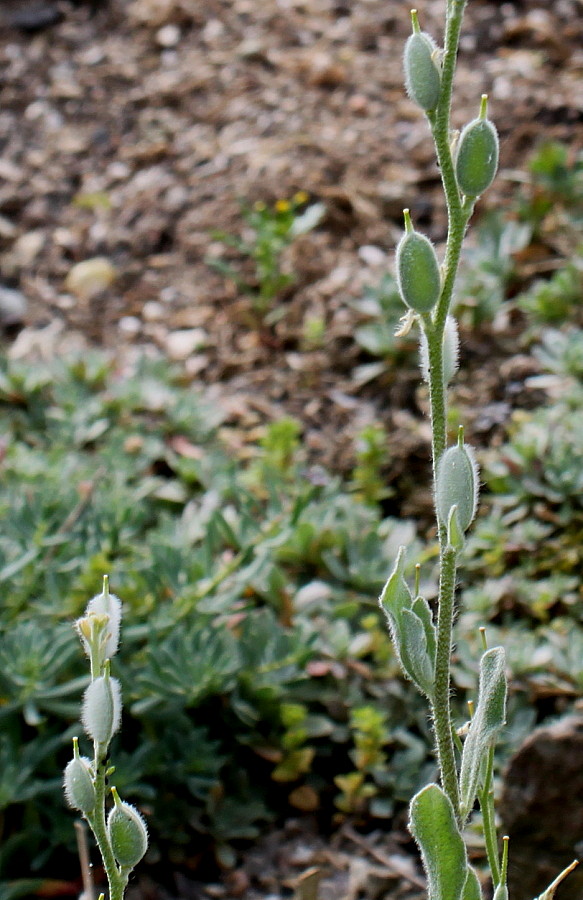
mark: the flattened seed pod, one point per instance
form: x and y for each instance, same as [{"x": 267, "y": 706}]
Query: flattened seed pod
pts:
[
  {"x": 101, "y": 710},
  {"x": 456, "y": 484},
  {"x": 476, "y": 159},
  {"x": 127, "y": 833},
  {"x": 78, "y": 783},
  {"x": 422, "y": 76},
  {"x": 418, "y": 275}
]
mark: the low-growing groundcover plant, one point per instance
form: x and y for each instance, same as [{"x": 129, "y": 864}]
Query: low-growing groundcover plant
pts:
[{"x": 440, "y": 812}]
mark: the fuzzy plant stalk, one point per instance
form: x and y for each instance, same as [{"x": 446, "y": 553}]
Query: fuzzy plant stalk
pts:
[
  {"x": 121, "y": 833},
  {"x": 440, "y": 812}
]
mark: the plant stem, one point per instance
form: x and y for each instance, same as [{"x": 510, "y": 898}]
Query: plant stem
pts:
[
  {"x": 486, "y": 798},
  {"x": 442, "y": 724},
  {"x": 117, "y": 880},
  {"x": 458, "y": 213}
]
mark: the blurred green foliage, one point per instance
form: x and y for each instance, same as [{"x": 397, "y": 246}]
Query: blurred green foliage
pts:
[{"x": 250, "y": 628}]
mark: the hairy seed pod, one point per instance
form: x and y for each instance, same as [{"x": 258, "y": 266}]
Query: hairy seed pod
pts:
[
  {"x": 78, "y": 783},
  {"x": 418, "y": 275},
  {"x": 101, "y": 711},
  {"x": 476, "y": 158},
  {"x": 451, "y": 346},
  {"x": 456, "y": 484},
  {"x": 422, "y": 76},
  {"x": 127, "y": 833}
]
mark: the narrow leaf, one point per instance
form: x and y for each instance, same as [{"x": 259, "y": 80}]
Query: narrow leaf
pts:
[
  {"x": 414, "y": 655},
  {"x": 488, "y": 719},
  {"x": 472, "y": 887},
  {"x": 433, "y": 825},
  {"x": 413, "y": 634}
]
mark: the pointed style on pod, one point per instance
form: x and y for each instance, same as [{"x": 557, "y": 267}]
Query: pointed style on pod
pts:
[
  {"x": 418, "y": 275},
  {"x": 456, "y": 484},
  {"x": 422, "y": 75},
  {"x": 477, "y": 150},
  {"x": 127, "y": 833},
  {"x": 78, "y": 782},
  {"x": 101, "y": 712}
]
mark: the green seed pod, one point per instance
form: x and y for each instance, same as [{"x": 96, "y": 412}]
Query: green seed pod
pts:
[
  {"x": 456, "y": 484},
  {"x": 127, "y": 833},
  {"x": 101, "y": 711},
  {"x": 476, "y": 159},
  {"x": 422, "y": 75},
  {"x": 78, "y": 783},
  {"x": 451, "y": 346},
  {"x": 418, "y": 275}
]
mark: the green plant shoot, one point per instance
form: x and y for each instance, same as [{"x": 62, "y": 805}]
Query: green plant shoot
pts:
[
  {"x": 439, "y": 812},
  {"x": 121, "y": 835}
]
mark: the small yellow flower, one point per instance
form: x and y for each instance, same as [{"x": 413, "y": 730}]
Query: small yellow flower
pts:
[
  {"x": 282, "y": 206},
  {"x": 300, "y": 198},
  {"x": 259, "y": 206}
]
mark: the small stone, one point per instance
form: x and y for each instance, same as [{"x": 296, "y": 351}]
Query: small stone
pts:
[
  {"x": 129, "y": 325},
  {"x": 27, "y": 247},
  {"x": 152, "y": 311},
  {"x": 168, "y": 36},
  {"x": 89, "y": 278},
  {"x": 181, "y": 344},
  {"x": 372, "y": 256},
  {"x": 12, "y": 308}
]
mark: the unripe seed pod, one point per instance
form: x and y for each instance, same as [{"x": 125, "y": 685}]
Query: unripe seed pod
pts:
[
  {"x": 418, "y": 275},
  {"x": 476, "y": 159},
  {"x": 456, "y": 484},
  {"x": 451, "y": 346},
  {"x": 127, "y": 833},
  {"x": 78, "y": 783},
  {"x": 422, "y": 75},
  {"x": 101, "y": 713}
]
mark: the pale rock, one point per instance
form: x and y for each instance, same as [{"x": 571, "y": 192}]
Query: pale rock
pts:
[{"x": 181, "y": 344}]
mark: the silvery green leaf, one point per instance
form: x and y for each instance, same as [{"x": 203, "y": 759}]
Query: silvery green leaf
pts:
[
  {"x": 421, "y": 608},
  {"x": 433, "y": 825},
  {"x": 413, "y": 652},
  {"x": 409, "y": 629},
  {"x": 472, "y": 888},
  {"x": 487, "y": 720},
  {"x": 396, "y": 595}
]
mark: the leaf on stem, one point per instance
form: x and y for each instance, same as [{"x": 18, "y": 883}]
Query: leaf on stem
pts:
[
  {"x": 488, "y": 719},
  {"x": 434, "y": 827},
  {"x": 412, "y": 628}
]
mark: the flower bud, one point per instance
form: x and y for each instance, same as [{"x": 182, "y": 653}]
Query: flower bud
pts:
[
  {"x": 78, "y": 782},
  {"x": 127, "y": 833},
  {"x": 476, "y": 159},
  {"x": 451, "y": 344},
  {"x": 109, "y": 605},
  {"x": 101, "y": 713},
  {"x": 456, "y": 484},
  {"x": 418, "y": 275},
  {"x": 422, "y": 75}
]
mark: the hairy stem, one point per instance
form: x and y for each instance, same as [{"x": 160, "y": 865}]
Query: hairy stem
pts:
[
  {"x": 117, "y": 880},
  {"x": 442, "y": 724}
]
